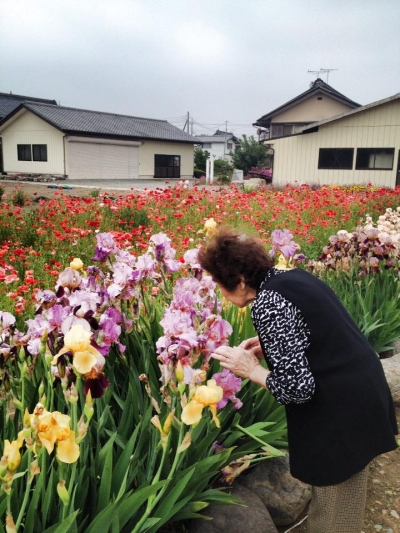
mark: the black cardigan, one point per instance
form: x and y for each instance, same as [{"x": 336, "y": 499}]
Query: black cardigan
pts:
[{"x": 350, "y": 418}]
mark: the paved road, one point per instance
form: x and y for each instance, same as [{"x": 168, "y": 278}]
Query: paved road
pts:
[{"x": 124, "y": 184}]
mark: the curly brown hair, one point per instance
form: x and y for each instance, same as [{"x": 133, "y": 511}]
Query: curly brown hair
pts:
[{"x": 231, "y": 256}]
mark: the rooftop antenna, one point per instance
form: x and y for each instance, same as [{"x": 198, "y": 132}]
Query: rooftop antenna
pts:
[
  {"x": 327, "y": 71},
  {"x": 316, "y": 72}
]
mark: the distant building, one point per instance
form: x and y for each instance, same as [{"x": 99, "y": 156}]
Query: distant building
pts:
[
  {"x": 219, "y": 145},
  {"x": 319, "y": 102},
  {"x": 359, "y": 146},
  {"x": 9, "y": 102},
  {"x": 43, "y": 138}
]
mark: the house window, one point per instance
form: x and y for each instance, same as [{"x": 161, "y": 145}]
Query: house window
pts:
[
  {"x": 24, "y": 152},
  {"x": 39, "y": 152},
  {"x": 167, "y": 166},
  {"x": 287, "y": 129},
  {"x": 374, "y": 158},
  {"x": 229, "y": 146},
  {"x": 206, "y": 145},
  {"x": 339, "y": 158},
  {"x": 276, "y": 130}
]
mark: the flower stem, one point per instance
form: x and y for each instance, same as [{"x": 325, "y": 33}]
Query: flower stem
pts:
[
  {"x": 154, "y": 499},
  {"x": 27, "y": 493}
]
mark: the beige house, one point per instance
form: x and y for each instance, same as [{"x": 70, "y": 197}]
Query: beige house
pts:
[
  {"x": 63, "y": 141},
  {"x": 9, "y": 102},
  {"x": 360, "y": 146},
  {"x": 319, "y": 102}
]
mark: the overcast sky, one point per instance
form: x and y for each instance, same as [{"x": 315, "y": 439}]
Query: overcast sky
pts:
[{"x": 226, "y": 62}]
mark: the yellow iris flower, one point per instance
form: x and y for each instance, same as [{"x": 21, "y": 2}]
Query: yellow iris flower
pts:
[
  {"x": 12, "y": 454},
  {"x": 53, "y": 429},
  {"x": 204, "y": 396},
  {"x": 77, "y": 341},
  {"x": 210, "y": 227},
  {"x": 76, "y": 264}
]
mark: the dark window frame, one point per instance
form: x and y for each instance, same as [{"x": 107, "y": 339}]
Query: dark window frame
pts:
[
  {"x": 39, "y": 152},
  {"x": 363, "y": 154},
  {"x": 24, "y": 152},
  {"x": 167, "y": 166},
  {"x": 335, "y": 158}
]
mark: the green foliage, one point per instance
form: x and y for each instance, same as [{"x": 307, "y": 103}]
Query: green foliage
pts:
[
  {"x": 250, "y": 154},
  {"x": 2, "y": 191},
  {"x": 129, "y": 478},
  {"x": 94, "y": 193},
  {"x": 223, "y": 171},
  {"x": 200, "y": 158},
  {"x": 19, "y": 198},
  {"x": 373, "y": 301},
  {"x": 132, "y": 218}
]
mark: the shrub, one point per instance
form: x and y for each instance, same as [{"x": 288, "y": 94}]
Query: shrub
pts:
[
  {"x": 94, "y": 193},
  {"x": 19, "y": 198},
  {"x": 132, "y": 218}
]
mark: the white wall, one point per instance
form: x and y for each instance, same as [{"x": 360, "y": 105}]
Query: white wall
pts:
[
  {"x": 27, "y": 128},
  {"x": 149, "y": 149},
  {"x": 296, "y": 158}
]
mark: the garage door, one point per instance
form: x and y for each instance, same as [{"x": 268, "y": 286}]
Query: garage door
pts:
[{"x": 102, "y": 161}]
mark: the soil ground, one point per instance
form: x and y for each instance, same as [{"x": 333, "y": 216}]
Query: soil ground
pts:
[
  {"x": 383, "y": 504},
  {"x": 34, "y": 189}
]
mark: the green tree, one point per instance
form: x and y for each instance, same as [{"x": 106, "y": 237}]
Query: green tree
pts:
[
  {"x": 250, "y": 154},
  {"x": 200, "y": 158}
]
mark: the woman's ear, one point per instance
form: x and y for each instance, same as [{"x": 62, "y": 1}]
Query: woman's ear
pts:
[{"x": 242, "y": 282}]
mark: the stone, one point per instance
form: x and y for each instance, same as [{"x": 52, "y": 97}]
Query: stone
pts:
[
  {"x": 251, "y": 516},
  {"x": 391, "y": 367},
  {"x": 253, "y": 183},
  {"x": 284, "y": 496}
]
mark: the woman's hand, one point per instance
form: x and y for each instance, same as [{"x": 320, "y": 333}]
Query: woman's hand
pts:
[
  {"x": 253, "y": 345},
  {"x": 241, "y": 362}
]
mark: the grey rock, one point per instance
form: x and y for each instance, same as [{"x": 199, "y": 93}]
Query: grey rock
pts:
[
  {"x": 284, "y": 496},
  {"x": 391, "y": 367},
  {"x": 251, "y": 516}
]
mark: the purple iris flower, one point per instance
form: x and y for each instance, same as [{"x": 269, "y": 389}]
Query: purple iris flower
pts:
[{"x": 282, "y": 240}]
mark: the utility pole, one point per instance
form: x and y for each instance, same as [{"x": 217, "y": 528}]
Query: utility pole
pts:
[{"x": 187, "y": 123}]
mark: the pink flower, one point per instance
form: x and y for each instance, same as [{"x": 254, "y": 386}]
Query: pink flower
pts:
[{"x": 230, "y": 385}]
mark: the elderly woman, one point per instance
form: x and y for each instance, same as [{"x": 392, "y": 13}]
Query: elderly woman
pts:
[{"x": 339, "y": 409}]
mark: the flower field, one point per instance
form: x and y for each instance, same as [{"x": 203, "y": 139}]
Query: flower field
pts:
[
  {"x": 38, "y": 241},
  {"x": 113, "y": 415}
]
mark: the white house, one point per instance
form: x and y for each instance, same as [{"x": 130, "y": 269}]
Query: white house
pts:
[
  {"x": 9, "y": 102},
  {"x": 41, "y": 138},
  {"x": 219, "y": 145},
  {"x": 356, "y": 147}
]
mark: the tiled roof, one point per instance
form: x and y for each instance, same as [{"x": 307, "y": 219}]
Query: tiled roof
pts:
[
  {"x": 318, "y": 86},
  {"x": 95, "y": 123},
  {"x": 9, "y": 102}
]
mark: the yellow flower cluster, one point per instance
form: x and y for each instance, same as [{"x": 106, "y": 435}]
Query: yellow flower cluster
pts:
[
  {"x": 45, "y": 429},
  {"x": 204, "y": 396},
  {"x": 42, "y": 429},
  {"x": 354, "y": 188}
]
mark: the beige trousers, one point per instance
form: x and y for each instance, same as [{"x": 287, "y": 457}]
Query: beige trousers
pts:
[{"x": 339, "y": 508}]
